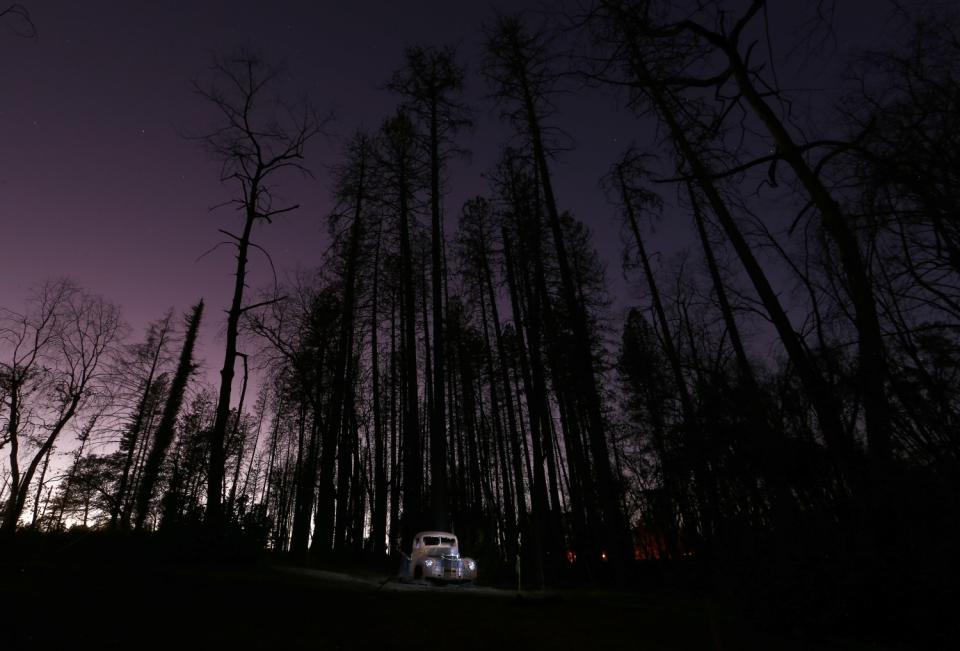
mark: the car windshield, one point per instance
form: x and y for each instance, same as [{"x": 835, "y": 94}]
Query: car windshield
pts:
[{"x": 431, "y": 541}]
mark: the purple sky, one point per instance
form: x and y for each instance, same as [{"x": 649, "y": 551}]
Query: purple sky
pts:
[{"x": 96, "y": 184}]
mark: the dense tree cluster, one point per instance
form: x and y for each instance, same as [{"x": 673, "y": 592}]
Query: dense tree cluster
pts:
[{"x": 781, "y": 408}]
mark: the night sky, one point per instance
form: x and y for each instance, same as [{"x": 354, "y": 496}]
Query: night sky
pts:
[{"x": 97, "y": 184}]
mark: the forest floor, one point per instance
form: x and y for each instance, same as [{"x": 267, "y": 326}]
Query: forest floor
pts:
[{"x": 108, "y": 603}]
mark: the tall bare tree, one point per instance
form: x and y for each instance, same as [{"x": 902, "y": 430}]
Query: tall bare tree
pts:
[
  {"x": 519, "y": 65},
  {"x": 401, "y": 169},
  {"x": 255, "y": 138},
  {"x": 431, "y": 83}
]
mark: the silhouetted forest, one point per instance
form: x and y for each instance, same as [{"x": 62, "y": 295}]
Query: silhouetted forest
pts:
[{"x": 777, "y": 417}]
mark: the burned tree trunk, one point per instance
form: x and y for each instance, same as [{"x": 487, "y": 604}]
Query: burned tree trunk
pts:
[{"x": 165, "y": 430}]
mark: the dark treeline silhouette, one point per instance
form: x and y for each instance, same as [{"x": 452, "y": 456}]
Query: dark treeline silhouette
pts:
[{"x": 777, "y": 417}]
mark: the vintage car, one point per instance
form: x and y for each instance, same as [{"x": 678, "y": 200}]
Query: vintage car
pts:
[{"x": 435, "y": 555}]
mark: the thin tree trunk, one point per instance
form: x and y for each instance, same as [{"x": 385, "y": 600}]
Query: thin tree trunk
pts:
[
  {"x": 412, "y": 463},
  {"x": 39, "y": 492},
  {"x": 534, "y": 391},
  {"x": 615, "y": 529},
  {"x": 394, "y": 436},
  {"x": 379, "y": 506},
  {"x": 242, "y": 436},
  {"x": 133, "y": 435},
  {"x": 218, "y": 433},
  {"x": 438, "y": 433}
]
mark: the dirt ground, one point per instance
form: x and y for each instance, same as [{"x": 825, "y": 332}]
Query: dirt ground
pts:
[{"x": 269, "y": 606}]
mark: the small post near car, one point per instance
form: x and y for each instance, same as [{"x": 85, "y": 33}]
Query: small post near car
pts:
[{"x": 435, "y": 555}]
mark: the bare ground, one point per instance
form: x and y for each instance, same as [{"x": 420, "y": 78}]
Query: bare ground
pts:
[{"x": 270, "y": 606}]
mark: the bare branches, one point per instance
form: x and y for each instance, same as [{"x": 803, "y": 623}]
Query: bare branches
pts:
[
  {"x": 431, "y": 84},
  {"x": 260, "y": 304},
  {"x": 18, "y": 20},
  {"x": 257, "y": 134},
  {"x": 521, "y": 67},
  {"x": 53, "y": 362}
]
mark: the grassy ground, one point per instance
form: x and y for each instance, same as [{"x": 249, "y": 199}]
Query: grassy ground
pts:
[{"x": 79, "y": 598}]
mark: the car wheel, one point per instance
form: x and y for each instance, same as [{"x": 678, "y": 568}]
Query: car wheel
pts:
[{"x": 418, "y": 572}]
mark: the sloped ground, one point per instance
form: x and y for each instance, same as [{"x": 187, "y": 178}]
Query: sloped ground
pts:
[{"x": 256, "y": 605}]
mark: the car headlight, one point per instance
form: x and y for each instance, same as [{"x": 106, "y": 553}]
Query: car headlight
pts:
[
  {"x": 472, "y": 566},
  {"x": 428, "y": 563}
]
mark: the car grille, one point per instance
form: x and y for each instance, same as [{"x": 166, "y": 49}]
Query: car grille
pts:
[{"x": 452, "y": 568}]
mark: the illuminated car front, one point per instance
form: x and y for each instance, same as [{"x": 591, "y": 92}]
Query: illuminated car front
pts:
[
  {"x": 436, "y": 556},
  {"x": 433, "y": 568},
  {"x": 469, "y": 569}
]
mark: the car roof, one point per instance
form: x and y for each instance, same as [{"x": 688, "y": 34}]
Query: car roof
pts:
[{"x": 435, "y": 533}]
